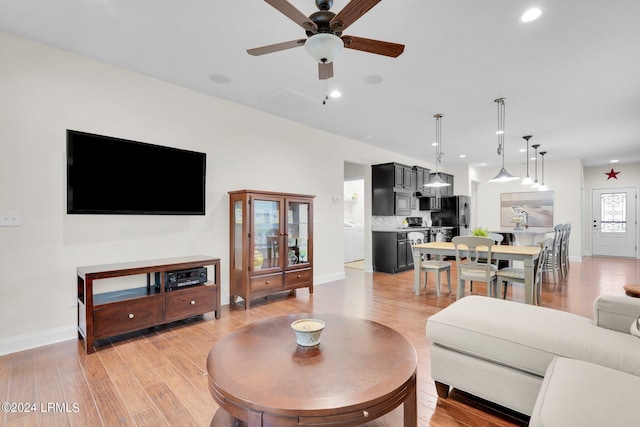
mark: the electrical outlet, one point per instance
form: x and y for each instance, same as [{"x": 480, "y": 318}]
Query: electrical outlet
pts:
[
  {"x": 73, "y": 300},
  {"x": 9, "y": 218}
]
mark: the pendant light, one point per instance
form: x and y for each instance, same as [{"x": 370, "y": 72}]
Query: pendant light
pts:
[
  {"x": 503, "y": 175},
  {"x": 436, "y": 181},
  {"x": 536, "y": 184},
  {"x": 542, "y": 186},
  {"x": 527, "y": 179}
]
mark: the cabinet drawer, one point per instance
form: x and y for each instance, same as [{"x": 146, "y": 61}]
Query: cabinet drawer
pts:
[
  {"x": 298, "y": 278},
  {"x": 263, "y": 283},
  {"x": 189, "y": 302},
  {"x": 127, "y": 316}
]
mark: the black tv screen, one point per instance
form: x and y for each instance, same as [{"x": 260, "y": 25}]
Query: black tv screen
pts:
[{"x": 108, "y": 175}]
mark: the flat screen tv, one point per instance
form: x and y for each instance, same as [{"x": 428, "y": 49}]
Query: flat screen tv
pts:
[{"x": 108, "y": 175}]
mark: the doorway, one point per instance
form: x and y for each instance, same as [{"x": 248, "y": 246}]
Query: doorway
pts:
[
  {"x": 613, "y": 225},
  {"x": 354, "y": 215}
]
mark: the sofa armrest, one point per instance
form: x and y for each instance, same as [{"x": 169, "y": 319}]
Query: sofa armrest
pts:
[{"x": 615, "y": 312}]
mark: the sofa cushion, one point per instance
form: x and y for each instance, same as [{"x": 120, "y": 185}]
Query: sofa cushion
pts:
[
  {"x": 527, "y": 337},
  {"x": 577, "y": 393}
]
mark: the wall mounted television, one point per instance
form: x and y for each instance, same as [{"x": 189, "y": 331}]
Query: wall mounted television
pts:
[{"x": 108, "y": 175}]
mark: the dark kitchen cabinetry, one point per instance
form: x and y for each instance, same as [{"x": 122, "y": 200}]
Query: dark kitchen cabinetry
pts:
[
  {"x": 423, "y": 177},
  {"x": 391, "y": 251},
  {"x": 393, "y": 185}
]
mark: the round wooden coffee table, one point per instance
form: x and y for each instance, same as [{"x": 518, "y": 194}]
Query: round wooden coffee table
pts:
[{"x": 360, "y": 371}]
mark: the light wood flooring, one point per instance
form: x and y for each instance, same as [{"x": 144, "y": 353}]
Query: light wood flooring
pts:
[{"x": 157, "y": 377}]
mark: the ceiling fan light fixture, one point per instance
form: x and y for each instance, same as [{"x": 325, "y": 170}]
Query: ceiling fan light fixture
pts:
[{"x": 324, "y": 47}]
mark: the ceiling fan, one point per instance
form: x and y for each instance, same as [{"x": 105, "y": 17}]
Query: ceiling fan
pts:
[{"x": 324, "y": 30}]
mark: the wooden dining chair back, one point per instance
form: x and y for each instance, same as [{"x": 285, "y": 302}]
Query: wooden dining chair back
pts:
[
  {"x": 509, "y": 275},
  {"x": 433, "y": 266},
  {"x": 470, "y": 252},
  {"x": 551, "y": 262}
]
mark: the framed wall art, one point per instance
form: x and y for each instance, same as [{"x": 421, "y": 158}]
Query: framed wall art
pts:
[{"x": 537, "y": 207}]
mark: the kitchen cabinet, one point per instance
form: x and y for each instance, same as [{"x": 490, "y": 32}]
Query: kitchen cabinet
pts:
[
  {"x": 391, "y": 251},
  {"x": 393, "y": 185},
  {"x": 271, "y": 243},
  {"x": 423, "y": 177}
]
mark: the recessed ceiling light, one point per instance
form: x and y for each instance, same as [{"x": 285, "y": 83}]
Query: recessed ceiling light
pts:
[
  {"x": 335, "y": 94},
  {"x": 614, "y": 161},
  {"x": 531, "y": 15},
  {"x": 434, "y": 144},
  {"x": 522, "y": 150},
  {"x": 462, "y": 156}
]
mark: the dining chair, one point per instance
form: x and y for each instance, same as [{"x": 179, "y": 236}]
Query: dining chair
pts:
[
  {"x": 508, "y": 275},
  {"x": 564, "y": 248},
  {"x": 497, "y": 238},
  {"x": 551, "y": 263},
  {"x": 433, "y": 266},
  {"x": 470, "y": 268}
]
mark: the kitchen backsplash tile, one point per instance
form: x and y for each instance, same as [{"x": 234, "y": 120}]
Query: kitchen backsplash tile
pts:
[{"x": 394, "y": 222}]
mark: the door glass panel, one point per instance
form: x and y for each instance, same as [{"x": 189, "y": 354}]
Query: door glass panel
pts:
[
  {"x": 298, "y": 233},
  {"x": 613, "y": 213},
  {"x": 237, "y": 235},
  {"x": 266, "y": 236}
]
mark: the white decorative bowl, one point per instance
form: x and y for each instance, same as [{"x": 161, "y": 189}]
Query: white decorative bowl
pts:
[{"x": 308, "y": 331}]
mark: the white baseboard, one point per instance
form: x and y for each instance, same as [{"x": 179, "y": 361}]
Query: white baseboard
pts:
[
  {"x": 317, "y": 280},
  {"x": 38, "y": 339}
]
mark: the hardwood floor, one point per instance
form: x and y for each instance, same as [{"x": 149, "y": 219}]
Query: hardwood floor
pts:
[{"x": 158, "y": 376}]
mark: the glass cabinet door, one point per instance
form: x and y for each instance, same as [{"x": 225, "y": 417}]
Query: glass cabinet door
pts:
[
  {"x": 267, "y": 235},
  {"x": 298, "y": 232}
]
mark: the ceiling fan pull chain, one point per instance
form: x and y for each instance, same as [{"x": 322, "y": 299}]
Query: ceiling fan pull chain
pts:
[{"x": 326, "y": 93}]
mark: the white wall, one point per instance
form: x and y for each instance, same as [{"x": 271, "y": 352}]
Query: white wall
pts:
[
  {"x": 596, "y": 178},
  {"x": 46, "y": 91},
  {"x": 564, "y": 178}
]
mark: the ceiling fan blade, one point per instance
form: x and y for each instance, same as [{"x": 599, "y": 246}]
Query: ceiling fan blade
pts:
[
  {"x": 325, "y": 70},
  {"x": 276, "y": 47},
  {"x": 350, "y": 13},
  {"x": 294, "y": 14},
  {"x": 373, "y": 46}
]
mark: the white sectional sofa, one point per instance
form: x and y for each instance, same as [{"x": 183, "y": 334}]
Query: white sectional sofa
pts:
[{"x": 501, "y": 351}]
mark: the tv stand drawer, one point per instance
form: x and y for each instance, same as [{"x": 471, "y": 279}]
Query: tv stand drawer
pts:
[
  {"x": 190, "y": 302},
  {"x": 127, "y": 316}
]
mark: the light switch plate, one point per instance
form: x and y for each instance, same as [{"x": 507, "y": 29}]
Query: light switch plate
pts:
[{"x": 9, "y": 218}]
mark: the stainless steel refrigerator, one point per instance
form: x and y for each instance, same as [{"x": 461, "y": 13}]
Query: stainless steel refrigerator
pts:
[{"x": 455, "y": 212}]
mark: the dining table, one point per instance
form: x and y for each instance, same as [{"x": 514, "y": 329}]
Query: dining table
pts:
[{"x": 526, "y": 254}]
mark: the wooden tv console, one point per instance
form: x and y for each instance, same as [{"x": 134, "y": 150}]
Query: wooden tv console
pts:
[{"x": 103, "y": 315}]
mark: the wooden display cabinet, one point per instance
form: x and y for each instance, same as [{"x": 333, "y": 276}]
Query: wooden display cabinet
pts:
[
  {"x": 107, "y": 314},
  {"x": 271, "y": 243}
]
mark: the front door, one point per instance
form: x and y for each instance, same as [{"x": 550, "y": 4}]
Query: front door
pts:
[{"x": 614, "y": 222}]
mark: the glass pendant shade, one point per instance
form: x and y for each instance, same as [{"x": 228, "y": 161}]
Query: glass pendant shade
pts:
[
  {"x": 324, "y": 47},
  {"x": 436, "y": 181},
  {"x": 503, "y": 175}
]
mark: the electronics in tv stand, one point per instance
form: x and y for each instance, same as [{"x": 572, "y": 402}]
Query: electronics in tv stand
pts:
[{"x": 181, "y": 278}]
